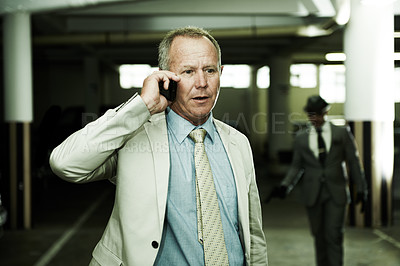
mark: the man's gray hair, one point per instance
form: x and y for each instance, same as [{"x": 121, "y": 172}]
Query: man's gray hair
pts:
[{"x": 190, "y": 31}]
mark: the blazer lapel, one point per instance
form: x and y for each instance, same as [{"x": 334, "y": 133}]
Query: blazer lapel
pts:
[
  {"x": 235, "y": 158},
  {"x": 306, "y": 141},
  {"x": 156, "y": 130},
  {"x": 333, "y": 135}
]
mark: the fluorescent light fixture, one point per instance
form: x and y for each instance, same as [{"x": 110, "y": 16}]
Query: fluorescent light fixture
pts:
[
  {"x": 313, "y": 31},
  {"x": 337, "y": 121},
  {"x": 335, "y": 57},
  {"x": 377, "y": 2}
]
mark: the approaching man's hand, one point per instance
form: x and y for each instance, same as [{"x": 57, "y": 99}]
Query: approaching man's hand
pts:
[{"x": 362, "y": 198}]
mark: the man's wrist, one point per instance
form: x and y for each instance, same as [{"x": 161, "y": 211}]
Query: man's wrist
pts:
[{"x": 149, "y": 103}]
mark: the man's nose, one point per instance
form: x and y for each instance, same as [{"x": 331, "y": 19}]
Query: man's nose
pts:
[{"x": 201, "y": 80}]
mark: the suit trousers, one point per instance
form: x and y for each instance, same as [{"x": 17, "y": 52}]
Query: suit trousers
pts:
[{"x": 327, "y": 227}]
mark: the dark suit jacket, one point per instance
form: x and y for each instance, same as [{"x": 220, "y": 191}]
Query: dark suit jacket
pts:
[{"x": 343, "y": 152}]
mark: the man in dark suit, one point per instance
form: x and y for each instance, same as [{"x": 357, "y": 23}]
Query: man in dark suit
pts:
[{"x": 320, "y": 151}]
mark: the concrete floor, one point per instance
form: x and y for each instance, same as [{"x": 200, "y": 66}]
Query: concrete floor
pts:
[
  {"x": 290, "y": 242},
  {"x": 69, "y": 219}
]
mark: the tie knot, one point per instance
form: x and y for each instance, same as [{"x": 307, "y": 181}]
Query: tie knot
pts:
[
  {"x": 198, "y": 135},
  {"x": 319, "y": 130}
]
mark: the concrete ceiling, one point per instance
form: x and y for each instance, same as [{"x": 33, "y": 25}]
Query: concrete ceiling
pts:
[{"x": 128, "y": 31}]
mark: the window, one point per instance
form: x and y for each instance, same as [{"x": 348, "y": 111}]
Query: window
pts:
[
  {"x": 132, "y": 76},
  {"x": 332, "y": 83},
  {"x": 303, "y": 75},
  {"x": 263, "y": 77},
  {"x": 236, "y": 76}
]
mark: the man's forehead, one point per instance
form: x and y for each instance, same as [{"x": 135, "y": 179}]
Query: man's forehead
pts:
[
  {"x": 198, "y": 61},
  {"x": 188, "y": 43},
  {"x": 189, "y": 55}
]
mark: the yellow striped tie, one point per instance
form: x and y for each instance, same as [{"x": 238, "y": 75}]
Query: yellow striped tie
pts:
[{"x": 209, "y": 224}]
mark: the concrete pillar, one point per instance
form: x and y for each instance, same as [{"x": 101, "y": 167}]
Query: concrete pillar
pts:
[
  {"x": 369, "y": 106},
  {"x": 92, "y": 86},
  {"x": 279, "y": 128},
  {"x": 18, "y": 112},
  {"x": 258, "y": 114}
]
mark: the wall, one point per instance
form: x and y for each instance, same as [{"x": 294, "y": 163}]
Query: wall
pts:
[
  {"x": 232, "y": 108},
  {"x": 64, "y": 85},
  {"x": 112, "y": 93},
  {"x": 57, "y": 84}
]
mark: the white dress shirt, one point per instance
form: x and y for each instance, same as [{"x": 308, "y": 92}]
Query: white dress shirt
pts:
[{"x": 313, "y": 138}]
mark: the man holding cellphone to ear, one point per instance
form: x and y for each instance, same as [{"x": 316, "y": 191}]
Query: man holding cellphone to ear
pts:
[{"x": 186, "y": 192}]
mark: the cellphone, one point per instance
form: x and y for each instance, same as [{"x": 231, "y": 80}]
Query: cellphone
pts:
[{"x": 170, "y": 94}]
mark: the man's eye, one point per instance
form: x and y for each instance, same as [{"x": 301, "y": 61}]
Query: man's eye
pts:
[
  {"x": 188, "y": 71},
  {"x": 210, "y": 71}
]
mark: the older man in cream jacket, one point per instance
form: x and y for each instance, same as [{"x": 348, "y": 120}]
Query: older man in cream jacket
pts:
[{"x": 143, "y": 146}]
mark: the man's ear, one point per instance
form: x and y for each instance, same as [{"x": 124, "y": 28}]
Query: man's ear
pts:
[{"x": 222, "y": 67}]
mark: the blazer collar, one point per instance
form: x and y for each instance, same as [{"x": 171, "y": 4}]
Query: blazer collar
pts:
[{"x": 236, "y": 159}]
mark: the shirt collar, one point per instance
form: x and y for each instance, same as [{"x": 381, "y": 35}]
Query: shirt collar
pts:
[
  {"x": 325, "y": 127},
  {"x": 181, "y": 128}
]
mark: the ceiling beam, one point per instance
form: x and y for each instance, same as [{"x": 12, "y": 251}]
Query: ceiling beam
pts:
[
  {"x": 11, "y": 6},
  {"x": 220, "y": 7},
  {"x": 140, "y": 23}
]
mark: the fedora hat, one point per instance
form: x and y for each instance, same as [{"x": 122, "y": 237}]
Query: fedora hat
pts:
[{"x": 315, "y": 104}]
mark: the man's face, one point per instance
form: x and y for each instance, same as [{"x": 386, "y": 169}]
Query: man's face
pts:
[
  {"x": 195, "y": 61},
  {"x": 316, "y": 119}
]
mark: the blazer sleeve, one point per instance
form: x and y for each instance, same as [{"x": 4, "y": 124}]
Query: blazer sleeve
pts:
[
  {"x": 295, "y": 166},
  {"x": 356, "y": 170},
  {"x": 90, "y": 153}
]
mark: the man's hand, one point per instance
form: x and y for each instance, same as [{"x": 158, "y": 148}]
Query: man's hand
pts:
[
  {"x": 150, "y": 93},
  {"x": 362, "y": 197}
]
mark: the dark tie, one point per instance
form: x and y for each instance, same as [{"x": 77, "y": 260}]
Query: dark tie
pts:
[{"x": 321, "y": 147}]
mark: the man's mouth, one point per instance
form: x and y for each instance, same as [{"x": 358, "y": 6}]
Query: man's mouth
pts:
[{"x": 200, "y": 98}]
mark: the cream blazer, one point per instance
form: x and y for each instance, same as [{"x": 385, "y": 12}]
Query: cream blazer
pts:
[{"x": 129, "y": 147}]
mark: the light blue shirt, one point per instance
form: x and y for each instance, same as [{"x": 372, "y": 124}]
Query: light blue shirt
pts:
[{"x": 179, "y": 244}]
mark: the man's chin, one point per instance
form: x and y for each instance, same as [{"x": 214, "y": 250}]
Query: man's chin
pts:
[{"x": 198, "y": 119}]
